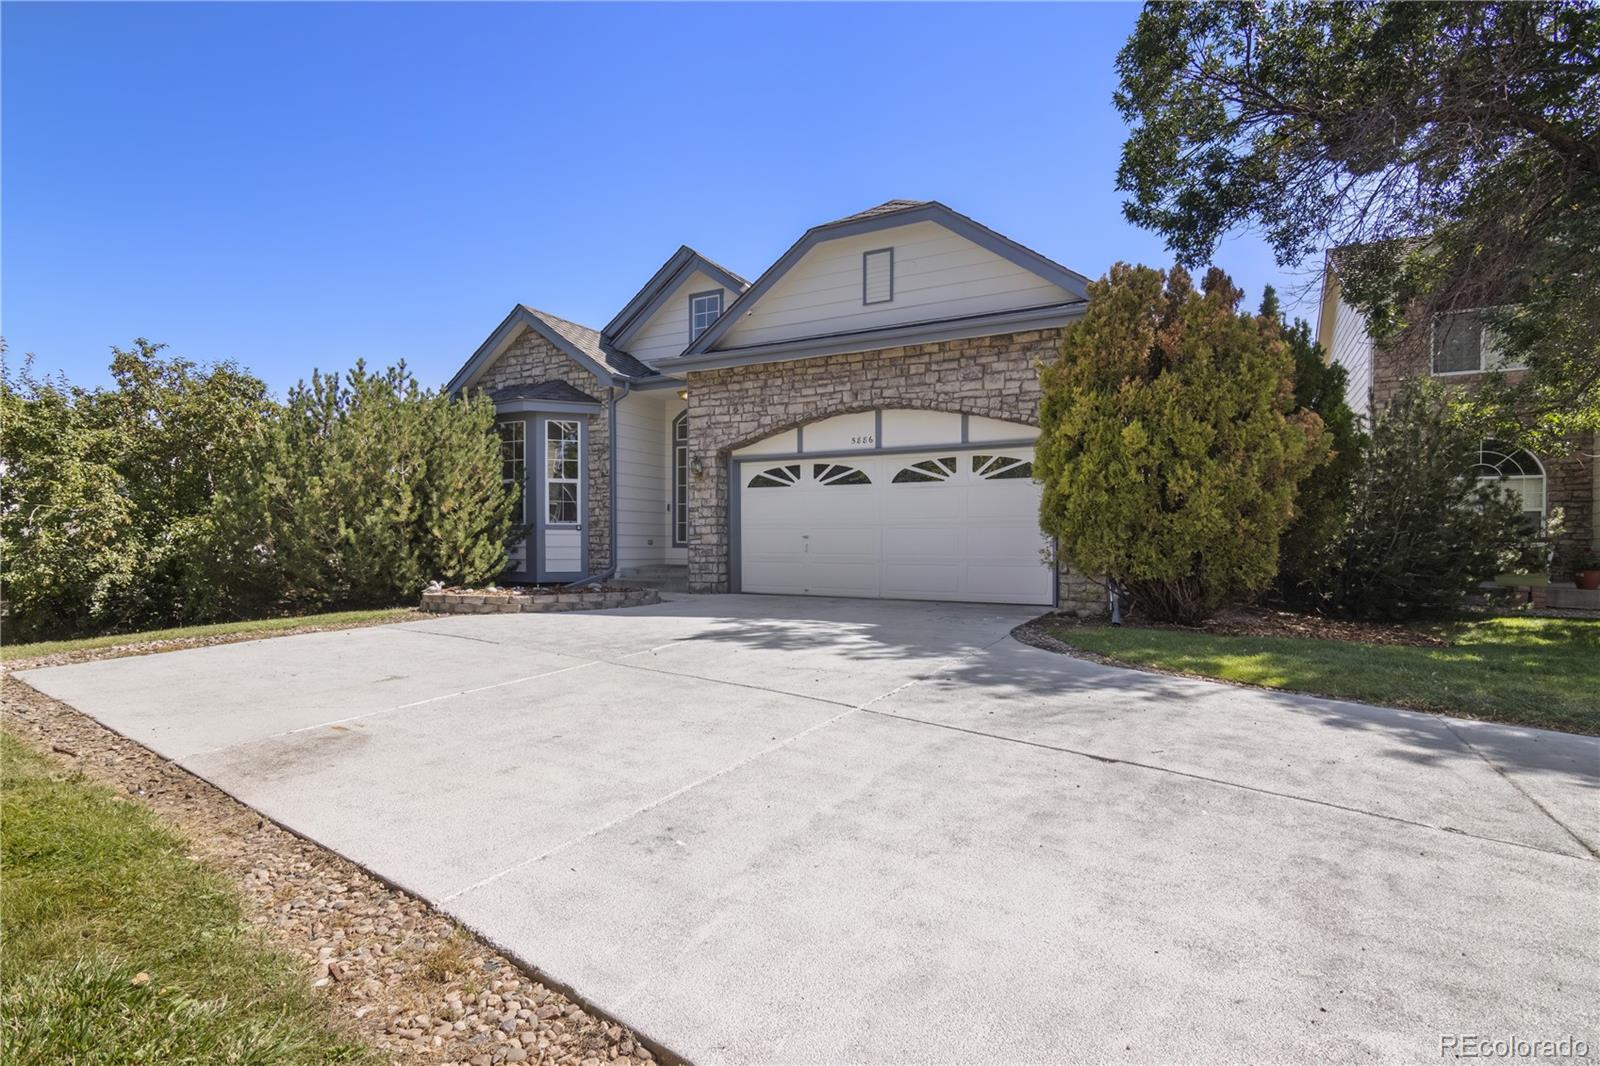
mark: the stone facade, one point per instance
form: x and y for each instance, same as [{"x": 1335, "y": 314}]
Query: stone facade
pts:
[
  {"x": 995, "y": 377},
  {"x": 532, "y": 360},
  {"x": 1571, "y": 479}
]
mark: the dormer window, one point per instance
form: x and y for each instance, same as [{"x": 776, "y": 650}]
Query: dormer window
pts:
[
  {"x": 877, "y": 276},
  {"x": 704, "y": 307}
]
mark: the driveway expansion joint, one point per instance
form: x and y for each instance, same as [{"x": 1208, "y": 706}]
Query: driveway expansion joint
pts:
[
  {"x": 1508, "y": 779},
  {"x": 849, "y": 709},
  {"x": 1112, "y": 760}
]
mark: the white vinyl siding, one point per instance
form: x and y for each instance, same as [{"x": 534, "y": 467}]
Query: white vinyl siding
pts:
[
  {"x": 937, "y": 274},
  {"x": 642, "y": 531},
  {"x": 1351, "y": 348},
  {"x": 666, "y": 332}
]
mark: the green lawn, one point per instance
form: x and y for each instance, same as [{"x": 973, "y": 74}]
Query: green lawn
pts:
[
  {"x": 263, "y": 627},
  {"x": 1526, "y": 671},
  {"x": 95, "y": 893}
]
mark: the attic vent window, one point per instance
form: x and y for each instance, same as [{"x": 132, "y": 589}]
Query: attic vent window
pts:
[
  {"x": 704, "y": 307},
  {"x": 877, "y": 276}
]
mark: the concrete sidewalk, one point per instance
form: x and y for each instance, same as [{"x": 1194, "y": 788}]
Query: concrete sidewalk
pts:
[{"x": 763, "y": 829}]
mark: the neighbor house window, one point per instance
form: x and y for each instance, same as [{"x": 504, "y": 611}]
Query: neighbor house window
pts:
[
  {"x": 680, "y": 480},
  {"x": 877, "y": 276},
  {"x": 704, "y": 307},
  {"x": 1516, "y": 472},
  {"x": 561, "y": 472},
  {"x": 1465, "y": 343},
  {"x": 513, "y": 463}
]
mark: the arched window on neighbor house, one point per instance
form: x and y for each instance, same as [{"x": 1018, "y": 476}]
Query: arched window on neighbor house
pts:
[{"x": 1515, "y": 471}]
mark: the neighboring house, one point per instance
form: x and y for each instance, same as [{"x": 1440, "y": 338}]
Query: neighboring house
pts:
[
  {"x": 1460, "y": 349},
  {"x": 858, "y": 421}
]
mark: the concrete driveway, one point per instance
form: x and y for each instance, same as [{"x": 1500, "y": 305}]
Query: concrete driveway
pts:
[{"x": 762, "y": 829}]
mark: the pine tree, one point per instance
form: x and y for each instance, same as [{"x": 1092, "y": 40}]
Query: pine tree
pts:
[{"x": 1170, "y": 447}]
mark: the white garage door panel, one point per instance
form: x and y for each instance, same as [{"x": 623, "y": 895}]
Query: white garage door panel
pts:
[
  {"x": 917, "y": 581},
  {"x": 962, "y": 538}
]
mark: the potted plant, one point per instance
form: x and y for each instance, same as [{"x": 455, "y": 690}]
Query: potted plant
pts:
[{"x": 1581, "y": 562}]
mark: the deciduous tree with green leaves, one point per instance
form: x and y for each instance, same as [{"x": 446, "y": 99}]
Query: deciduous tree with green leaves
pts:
[
  {"x": 107, "y": 491},
  {"x": 1170, "y": 448},
  {"x": 1451, "y": 149}
]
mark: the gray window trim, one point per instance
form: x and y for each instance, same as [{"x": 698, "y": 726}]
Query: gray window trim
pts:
[
  {"x": 721, "y": 306},
  {"x": 529, "y": 523},
  {"x": 735, "y": 530},
  {"x": 541, "y": 523},
  {"x": 560, "y": 407},
  {"x": 866, "y": 258}
]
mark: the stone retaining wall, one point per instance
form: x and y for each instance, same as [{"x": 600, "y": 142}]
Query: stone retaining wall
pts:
[{"x": 471, "y": 602}]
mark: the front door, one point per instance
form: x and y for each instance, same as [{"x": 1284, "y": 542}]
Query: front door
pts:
[{"x": 561, "y": 492}]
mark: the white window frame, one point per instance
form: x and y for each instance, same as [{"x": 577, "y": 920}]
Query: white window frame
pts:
[
  {"x": 704, "y": 309},
  {"x": 1515, "y": 483},
  {"x": 515, "y": 441},
  {"x": 1484, "y": 329},
  {"x": 550, "y": 479},
  {"x": 680, "y": 480}
]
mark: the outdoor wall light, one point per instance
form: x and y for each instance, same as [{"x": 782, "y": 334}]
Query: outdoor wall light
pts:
[
  {"x": 683, "y": 394},
  {"x": 697, "y": 466}
]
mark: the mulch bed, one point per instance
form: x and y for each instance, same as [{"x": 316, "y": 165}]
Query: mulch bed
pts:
[
  {"x": 154, "y": 647},
  {"x": 1271, "y": 622},
  {"x": 406, "y": 979}
]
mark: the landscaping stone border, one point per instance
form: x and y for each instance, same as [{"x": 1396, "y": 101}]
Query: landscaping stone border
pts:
[{"x": 530, "y": 601}]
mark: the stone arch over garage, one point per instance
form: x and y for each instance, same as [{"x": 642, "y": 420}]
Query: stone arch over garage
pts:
[{"x": 990, "y": 377}]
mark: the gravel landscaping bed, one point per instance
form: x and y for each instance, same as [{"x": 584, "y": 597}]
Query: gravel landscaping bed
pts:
[{"x": 414, "y": 983}]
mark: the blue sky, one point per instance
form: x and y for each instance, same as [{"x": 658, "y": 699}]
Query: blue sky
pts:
[{"x": 298, "y": 185}]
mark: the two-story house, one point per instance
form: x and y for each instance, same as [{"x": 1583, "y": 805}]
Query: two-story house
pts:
[{"x": 1461, "y": 349}]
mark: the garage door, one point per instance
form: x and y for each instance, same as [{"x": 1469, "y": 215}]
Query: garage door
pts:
[{"x": 948, "y": 524}]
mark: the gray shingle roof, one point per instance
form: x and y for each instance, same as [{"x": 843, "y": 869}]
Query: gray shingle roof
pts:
[
  {"x": 588, "y": 342},
  {"x": 888, "y": 207},
  {"x": 545, "y": 390}
]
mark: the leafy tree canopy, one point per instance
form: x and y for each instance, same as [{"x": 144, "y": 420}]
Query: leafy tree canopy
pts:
[{"x": 1451, "y": 150}]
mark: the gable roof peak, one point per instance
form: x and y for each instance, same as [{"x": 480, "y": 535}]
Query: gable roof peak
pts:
[
  {"x": 679, "y": 265},
  {"x": 888, "y": 207}
]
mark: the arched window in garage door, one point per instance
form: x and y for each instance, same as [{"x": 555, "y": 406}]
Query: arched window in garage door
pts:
[
  {"x": 1001, "y": 467},
  {"x": 839, "y": 474},
  {"x": 928, "y": 470},
  {"x": 776, "y": 477}
]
